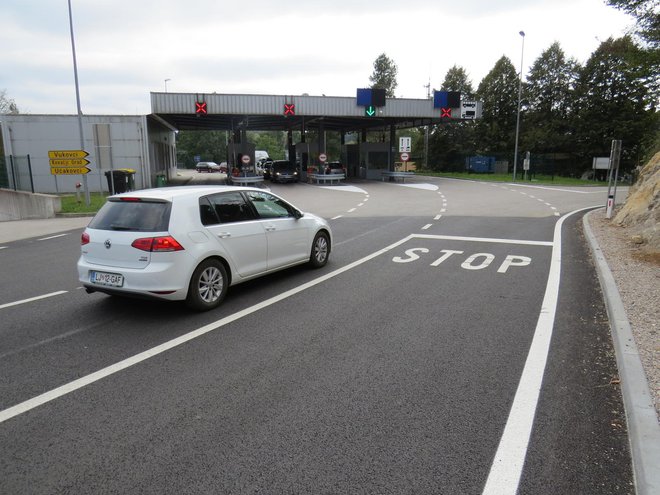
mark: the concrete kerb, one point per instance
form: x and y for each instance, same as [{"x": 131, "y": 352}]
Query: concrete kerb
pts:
[{"x": 643, "y": 427}]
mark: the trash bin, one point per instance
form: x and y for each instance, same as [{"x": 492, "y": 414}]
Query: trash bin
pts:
[
  {"x": 130, "y": 178},
  {"x": 117, "y": 179},
  {"x": 161, "y": 181}
]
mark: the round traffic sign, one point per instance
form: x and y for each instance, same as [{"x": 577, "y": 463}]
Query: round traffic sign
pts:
[
  {"x": 323, "y": 157},
  {"x": 245, "y": 159},
  {"x": 405, "y": 157}
]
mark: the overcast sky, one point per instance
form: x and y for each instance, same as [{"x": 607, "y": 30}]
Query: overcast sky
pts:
[{"x": 126, "y": 49}]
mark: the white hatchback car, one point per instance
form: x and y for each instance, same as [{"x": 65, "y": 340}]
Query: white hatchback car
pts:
[{"x": 192, "y": 242}]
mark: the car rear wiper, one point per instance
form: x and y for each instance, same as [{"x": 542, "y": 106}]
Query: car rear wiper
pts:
[{"x": 120, "y": 227}]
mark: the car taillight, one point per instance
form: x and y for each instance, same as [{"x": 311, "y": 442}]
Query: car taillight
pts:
[
  {"x": 84, "y": 239},
  {"x": 157, "y": 244}
]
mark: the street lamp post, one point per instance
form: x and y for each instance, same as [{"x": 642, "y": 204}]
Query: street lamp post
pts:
[
  {"x": 515, "y": 152},
  {"x": 166, "y": 84},
  {"x": 80, "y": 122}
]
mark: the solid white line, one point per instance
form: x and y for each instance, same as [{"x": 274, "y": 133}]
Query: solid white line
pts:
[
  {"x": 602, "y": 191},
  {"x": 143, "y": 356},
  {"x": 482, "y": 239},
  {"x": 23, "y": 301},
  {"x": 4, "y": 247},
  {"x": 51, "y": 237},
  {"x": 505, "y": 472}
]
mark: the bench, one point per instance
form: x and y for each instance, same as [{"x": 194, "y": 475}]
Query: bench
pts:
[
  {"x": 396, "y": 175},
  {"x": 250, "y": 180},
  {"x": 326, "y": 178}
]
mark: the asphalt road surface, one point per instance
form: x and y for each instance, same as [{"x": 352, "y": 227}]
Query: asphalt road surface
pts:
[{"x": 456, "y": 343}]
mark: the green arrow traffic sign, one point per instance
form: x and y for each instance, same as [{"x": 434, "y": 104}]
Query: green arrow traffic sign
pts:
[{"x": 370, "y": 111}]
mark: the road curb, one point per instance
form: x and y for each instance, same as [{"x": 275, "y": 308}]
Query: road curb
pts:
[{"x": 643, "y": 427}]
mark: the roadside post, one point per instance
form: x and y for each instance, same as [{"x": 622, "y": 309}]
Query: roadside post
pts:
[
  {"x": 615, "y": 158},
  {"x": 405, "y": 147},
  {"x": 526, "y": 163},
  {"x": 246, "y": 161},
  {"x": 322, "y": 159}
]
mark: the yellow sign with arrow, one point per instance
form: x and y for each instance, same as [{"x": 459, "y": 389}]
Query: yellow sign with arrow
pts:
[{"x": 69, "y": 170}]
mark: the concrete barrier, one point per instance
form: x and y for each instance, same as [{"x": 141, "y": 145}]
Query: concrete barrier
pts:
[{"x": 20, "y": 205}]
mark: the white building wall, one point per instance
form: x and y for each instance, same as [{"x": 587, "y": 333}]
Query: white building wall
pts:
[{"x": 36, "y": 135}]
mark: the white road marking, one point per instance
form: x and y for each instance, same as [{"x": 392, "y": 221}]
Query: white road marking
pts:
[
  {"x": 437, "y": 217},
  {"x": 335, "y": 218},
  {"x": 505, "y": 472},
  {"x": 36, "y": 298},
  {"x": 428, "y": 187},
  {"x": 427, "y": 226},
  {"x": 483, "y": 239},
  {"x": 602, "y": 191},
  {"x": 361, "y": 204},
  {"x": 345, "y": 189},
  {"x": 51, "y": 237},
  {"x": 352, "y": 210},
  {"x": 4, "y": 247}
]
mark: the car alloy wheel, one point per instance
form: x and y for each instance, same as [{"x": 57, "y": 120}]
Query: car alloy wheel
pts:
[
  {"x": 208, "y": 285},
  {"x": 320, "y": 250}
]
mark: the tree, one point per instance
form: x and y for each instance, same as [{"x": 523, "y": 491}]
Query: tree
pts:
[
  {"x": 646, "y": 14},
  {"x": 7, "y": 105},
  {"x": 384, "y": 75},
  {"x": 548, "y": 100},
  {"x": 457, "y": 79},
  {"x": 208, "y": 145},
  {"x": 499, "y": 92},
  {"x": 614, "y": 101}
]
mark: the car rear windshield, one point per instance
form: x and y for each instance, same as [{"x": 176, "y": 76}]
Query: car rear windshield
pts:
[{"x": 139, "y": 216}]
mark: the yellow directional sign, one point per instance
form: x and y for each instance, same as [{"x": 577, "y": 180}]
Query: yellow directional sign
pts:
[
  {"x": 67, "y": 154},
  {"x": 68, "y": 162},
  {"x": 69, "y": 170}
]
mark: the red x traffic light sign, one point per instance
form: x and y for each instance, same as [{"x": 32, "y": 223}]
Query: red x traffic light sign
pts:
[
  {"x": 445, "y": 112},
  {"x": 200, "y": 107},
  {"x": 289, "y": 109}
]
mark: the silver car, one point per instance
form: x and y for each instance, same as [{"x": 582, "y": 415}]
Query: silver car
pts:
[{"x": 191, "y": 243}]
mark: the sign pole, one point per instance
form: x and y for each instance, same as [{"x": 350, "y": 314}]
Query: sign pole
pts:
[
  {"x": 80, "y": 124},
  {"x": 615, "y": 156}
]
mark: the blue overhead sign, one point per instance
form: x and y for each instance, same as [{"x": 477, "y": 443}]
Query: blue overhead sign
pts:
[
  {"x": 368, "y": 97},
  {"x": 447, "y": 99}
]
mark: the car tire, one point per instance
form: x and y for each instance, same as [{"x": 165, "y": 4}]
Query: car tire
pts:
[
  {"x": 320, "y": 250},
  {"x": 208, "y": 286}
]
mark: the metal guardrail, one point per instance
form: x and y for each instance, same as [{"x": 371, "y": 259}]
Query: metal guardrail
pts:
[
  {"x": 326, "y": 178},
  {"x": 250, "y": 180},
  {"x": 396, "y": 175}
]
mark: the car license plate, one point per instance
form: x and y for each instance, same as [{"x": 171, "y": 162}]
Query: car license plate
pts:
[{"x": 103, "y": 278}]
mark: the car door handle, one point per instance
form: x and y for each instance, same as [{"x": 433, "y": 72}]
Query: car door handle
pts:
[
  {"x": 224, "y": 235},
  {"x": 270, "y": 228}
]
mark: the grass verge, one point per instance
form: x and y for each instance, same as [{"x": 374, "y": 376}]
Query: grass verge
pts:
[
  {"x": 71, "y": 204},
  {"x": 539, "y": 179}
]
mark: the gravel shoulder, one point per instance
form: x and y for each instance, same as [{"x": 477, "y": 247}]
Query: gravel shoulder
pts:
[{"x": 637, "y": 276}]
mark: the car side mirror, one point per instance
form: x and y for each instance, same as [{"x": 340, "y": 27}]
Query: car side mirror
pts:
[{"x": 298, "y": 214}]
